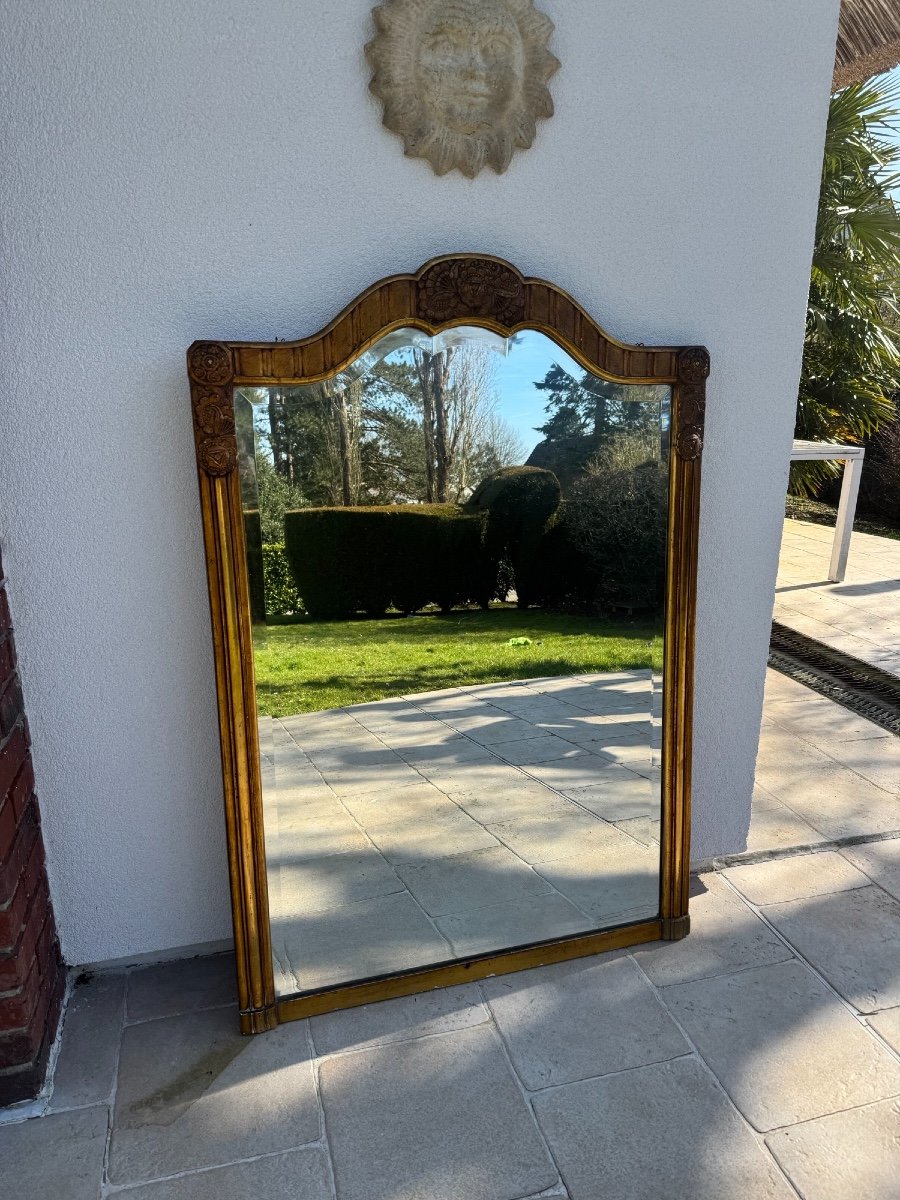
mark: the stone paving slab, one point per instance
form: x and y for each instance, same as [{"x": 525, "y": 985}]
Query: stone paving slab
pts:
[
  {"x": 572, "y": 1021},
  {"x": 853, "y": 938},
  {"x": 400, "y": 1020},
  {"x": 887, "y": 1024},
  {"x": 796, "y": 878},
  {"x": 655, "y": 1133},
  {"x": 57, "y": 1156},
  {"x": 858, "y": 615},
  {"x": 440, "y": 1118},
  {"x": 296, "y": 1175},
  {"x": 725, "y": 937},
  {"x": 880, "y": 861},
  {"x": 86, "y": 1068},
  {"x": 846, "y": 1154},
  {"x": 186, "y": 986},
  {"x": 784, "y": 1047},
  {"x": 193, "y": 1093}
]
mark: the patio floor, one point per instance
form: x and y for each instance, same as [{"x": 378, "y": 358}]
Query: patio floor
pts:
[
  {"x": 412, "y": 831},
  {"x": 861, "y": 615},
  {"x": 759, "y": 1057}
]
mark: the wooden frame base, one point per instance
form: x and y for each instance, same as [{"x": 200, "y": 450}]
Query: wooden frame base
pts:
[{"x": 455, "y": 289}]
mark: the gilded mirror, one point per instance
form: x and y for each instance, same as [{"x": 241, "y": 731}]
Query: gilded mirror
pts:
[{"x": 451, "y": 544}]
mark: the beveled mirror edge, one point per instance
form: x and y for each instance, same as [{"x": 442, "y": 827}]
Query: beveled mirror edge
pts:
[{"x": 477, "y": 290}]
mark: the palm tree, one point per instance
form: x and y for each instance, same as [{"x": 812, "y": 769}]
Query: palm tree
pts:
[{"x": 851, "y": 362}]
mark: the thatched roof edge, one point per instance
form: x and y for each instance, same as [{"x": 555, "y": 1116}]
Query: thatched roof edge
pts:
[{"x": 868, "y": 40}]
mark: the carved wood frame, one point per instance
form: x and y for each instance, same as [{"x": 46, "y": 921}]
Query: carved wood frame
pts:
[{"x": 473, "y": 290}]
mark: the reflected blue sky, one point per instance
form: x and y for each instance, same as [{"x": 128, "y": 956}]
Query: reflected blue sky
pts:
[{"x": 521, "y": 404}]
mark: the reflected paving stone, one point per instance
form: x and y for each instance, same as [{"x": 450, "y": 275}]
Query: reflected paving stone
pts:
[
  {"x": 414, "y": 842},
  {"x": 194, "y": 1093},
  {"x": 783, "y": 1046},
  {"x": 489, "y": 727},
  {"x": 795, "y": 878},
  {"x": 559, "y": 834},
  {"x": 295, "y": 808},
  {"x": 180, "y": 987},
  {"x": 641, "y": 829},
  {"x": 441, "y": 1118},
  {"x": 577, "y": 771},
  {"x": 361, "y": 781},
  {"x": 419, "y": 803},
  {"x": 531, "y": 800},
  {"x": 880, "y": 861},
  {"x": 398, "y": 1020},
  {"x": 500, "y": 926},
  {"x": 610, "y": 727},
  {"x": 725, "y": 936},
  {"x": 575, "y": 1020},
  {"x": 655, "y": 1133},
  {"x": 615, "y": 881},
  {"x": 295, "y": 1175},
  {"x": 467, "y": 881},
  {"x": 536, "y": 749},
  {"x": 617, "y": 795},
  {"x": 58, "y": 1156},
  {"x": 329, "y": 882},
  {"x": 356, "y": 941},
  {"x": 294, "y": 843},
  {"x": 843, "y": 1155},
  {"x": 86, "y": 1068},
  {"x": 436, "y": 758},
  {"x": 853, "y": 938}
]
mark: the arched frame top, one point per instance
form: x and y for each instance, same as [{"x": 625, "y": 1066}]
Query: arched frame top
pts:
[
  {"x": 474, "y": 289},
  {"x": 451, "y": 290}
]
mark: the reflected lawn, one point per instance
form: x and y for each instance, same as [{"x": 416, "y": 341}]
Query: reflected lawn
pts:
[{"x": 312, "y": 665}]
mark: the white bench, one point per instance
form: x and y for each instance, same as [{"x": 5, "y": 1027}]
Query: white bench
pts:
[{"x": 852, "y": 458}]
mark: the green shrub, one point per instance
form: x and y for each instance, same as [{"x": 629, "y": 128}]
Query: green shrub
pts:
[
  {"x": 520, "y": 502},
  {"x": 607, "y": 547},
  {"x": 347, "y": 560},
  {"x": 282, "y": 597}
]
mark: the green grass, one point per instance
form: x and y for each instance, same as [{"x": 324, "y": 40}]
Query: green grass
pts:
[
  {"x": 311, "y": 665},
  {"x": 826, "y": 514}
]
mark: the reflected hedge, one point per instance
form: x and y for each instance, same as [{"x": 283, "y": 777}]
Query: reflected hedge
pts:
[{"x": 350, "y": 560}]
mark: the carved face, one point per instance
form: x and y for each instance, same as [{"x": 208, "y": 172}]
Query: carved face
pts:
[
  {"x": 470, "y": 64},
  {"x": 462, "y": 81}
]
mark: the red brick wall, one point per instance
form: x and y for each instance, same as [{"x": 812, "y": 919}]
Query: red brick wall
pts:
[{"x": 32, "y": 977}]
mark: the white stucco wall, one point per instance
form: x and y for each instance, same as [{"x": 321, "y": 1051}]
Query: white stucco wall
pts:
[{"x": 217, "y": 169}]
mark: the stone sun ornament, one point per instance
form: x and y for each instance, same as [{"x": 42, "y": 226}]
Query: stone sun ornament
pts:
[{"x": 463, "y": 82}]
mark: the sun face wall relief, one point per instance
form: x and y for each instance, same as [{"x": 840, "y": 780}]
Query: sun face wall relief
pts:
[
  {"x": 451, "y": 546},
  {"x": 463, "y": 82}
]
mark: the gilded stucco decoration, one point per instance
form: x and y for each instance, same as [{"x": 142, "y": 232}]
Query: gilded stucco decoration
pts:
[{"x": 463, "y": 82}]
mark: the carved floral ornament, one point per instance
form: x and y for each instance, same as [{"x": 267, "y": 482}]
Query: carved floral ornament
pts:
[
  {"x": 463, "y": 82},
  {"x": 479, "y": 288}
]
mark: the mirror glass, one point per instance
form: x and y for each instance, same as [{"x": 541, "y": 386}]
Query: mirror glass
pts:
[{"x": 456, "y": 557}]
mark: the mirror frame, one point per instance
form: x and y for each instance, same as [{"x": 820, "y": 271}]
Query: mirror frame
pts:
[{"x": 454, "y": 289}]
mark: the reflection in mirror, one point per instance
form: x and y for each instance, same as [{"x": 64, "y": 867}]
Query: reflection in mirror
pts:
[{"x": 456, "y": 554}]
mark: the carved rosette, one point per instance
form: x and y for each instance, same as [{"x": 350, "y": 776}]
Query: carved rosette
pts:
[
  {"x": 214, "y": 429},
  {"x": 471, "y": 288},
  {"x": 693, "y": 371},
  {"x": 210, "y": 362},
  {"x": 693, "y": 364},
  {"x": 217, "y": 455}
]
